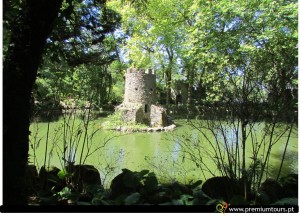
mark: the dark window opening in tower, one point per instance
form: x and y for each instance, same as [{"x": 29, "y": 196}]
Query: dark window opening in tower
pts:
[
  {"x": 136, "y": 88},
  {"x": 151, "y": 89},
  {"x": 146, "y": 108}
]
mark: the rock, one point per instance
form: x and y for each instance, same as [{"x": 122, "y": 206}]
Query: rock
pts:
[
  {"x": 143, "y": 130},
  {"x": 262, "y": 199},
  {"x": 156, "y": 129},
  {"x": 85, "y": 176},
  {"x": 170, "y": 128},
  {"x": 221, "y": 188},
  {"x": 123, "y": 184},
  {"x": 118, "y": 128},
  {"x": 149, "y": 129},
  {"x": 290, "y": 185},
  {"x": 129, "y": 130},
  {"x": 287, "y": 201},
  {"x": 272, "y": 189}
]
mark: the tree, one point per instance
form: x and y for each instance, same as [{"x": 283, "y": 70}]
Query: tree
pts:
[
  {"x": 78, "y": 53},
  {"x": 155, "y": 36},
  {"x": 29, "y": 32},
  {"x": 26, "y": 37},
  {"x": 249, "y": 58},
  {"x": 241, "y": 54},
  {"x": 80, "y": 32}
]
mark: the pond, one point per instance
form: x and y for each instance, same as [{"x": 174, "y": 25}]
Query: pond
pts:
[{"x": 165, "y": 153}]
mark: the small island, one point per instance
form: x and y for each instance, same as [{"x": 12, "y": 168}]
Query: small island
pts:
[{"x": 139, "y": 111}]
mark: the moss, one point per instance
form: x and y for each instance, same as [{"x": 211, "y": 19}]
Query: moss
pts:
[{"x": 115, "y": 120}]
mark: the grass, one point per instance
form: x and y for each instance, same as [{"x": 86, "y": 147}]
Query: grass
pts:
[{"x": 115, "y": 120}]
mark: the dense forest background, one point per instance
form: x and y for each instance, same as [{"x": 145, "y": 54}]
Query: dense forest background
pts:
[
  {"x": 234, "y": 56},
  {"x": 214, "y": 52}
]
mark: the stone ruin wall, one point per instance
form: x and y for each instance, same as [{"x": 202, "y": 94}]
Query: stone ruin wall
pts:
[
  {"x": 158, "y": 116},
  {"x": 179, "y": 93}
]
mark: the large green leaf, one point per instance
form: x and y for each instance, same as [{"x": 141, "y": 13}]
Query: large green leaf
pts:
[
  {"x": 132, "y": 199},
  {"x": 61, "y": 174},
  {"x": 187, "y": 199},
  {"x": 177, "y": 202}
]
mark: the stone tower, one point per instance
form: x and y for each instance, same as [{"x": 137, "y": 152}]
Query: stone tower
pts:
[
  {"x": 140, "y": 98},
  {"x": 140, "y": 86}
]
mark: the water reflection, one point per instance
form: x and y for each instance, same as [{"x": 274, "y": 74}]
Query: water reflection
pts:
[
  {"x": 165, "y": 151},
  {"x": 176, "y": 151}
]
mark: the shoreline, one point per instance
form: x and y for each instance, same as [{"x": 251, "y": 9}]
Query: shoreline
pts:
[{"x": 143, "y": 130}]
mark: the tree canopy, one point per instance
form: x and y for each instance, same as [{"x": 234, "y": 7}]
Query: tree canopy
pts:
[
  {"x": 213, "y": 48},
  {"x": 209, "y": 43}
]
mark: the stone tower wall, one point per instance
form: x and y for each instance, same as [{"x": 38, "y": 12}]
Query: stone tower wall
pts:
[{"x": 140, "y": 86}]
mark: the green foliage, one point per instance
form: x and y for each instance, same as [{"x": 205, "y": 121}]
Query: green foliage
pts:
[
  {"x": 287, "y": 201},
  {"x": 99, "y": 199},
  {"x": 80, "y": 33},
  {"x": 85, "y": 84},
  {"x": 115, "y": 120},
  {"x": 215, "y": 47},
  {"x": 64, "y": 174},
  {"x": 66, "y": 194},
  {"x": 143, "y": 188},
  {"x": 117, "y": 70},
  {"x": 78, "y": 54},
  {"x": 132, "y": 199},
  {"x": 239, "y": 56}
]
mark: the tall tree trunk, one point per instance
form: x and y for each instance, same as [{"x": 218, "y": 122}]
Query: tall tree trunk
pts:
[
  {"x": 28, "y": 38},
  {"x": 190, "y": 77},
  {"x": 168, "y": 85},
  {"x": 244, "y": 117},
  {"x": 168, "y": 75}
]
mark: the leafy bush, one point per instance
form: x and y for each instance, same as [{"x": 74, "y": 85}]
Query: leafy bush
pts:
[
  {"x": 132, "y": 188},
  {"x": 138, "y": 188}
]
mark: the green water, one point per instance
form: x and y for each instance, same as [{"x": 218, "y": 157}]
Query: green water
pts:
[{"x": 161, "y": 152}]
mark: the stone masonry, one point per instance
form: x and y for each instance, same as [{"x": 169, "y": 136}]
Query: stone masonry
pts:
[
  {"x": 140, "y": 98},
  {"x": 140, "y": 86}
]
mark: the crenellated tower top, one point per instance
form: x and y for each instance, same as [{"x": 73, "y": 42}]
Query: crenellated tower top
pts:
[
  {"x": 142, "y": 71},
  {"x": 140, "y": 86}
]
